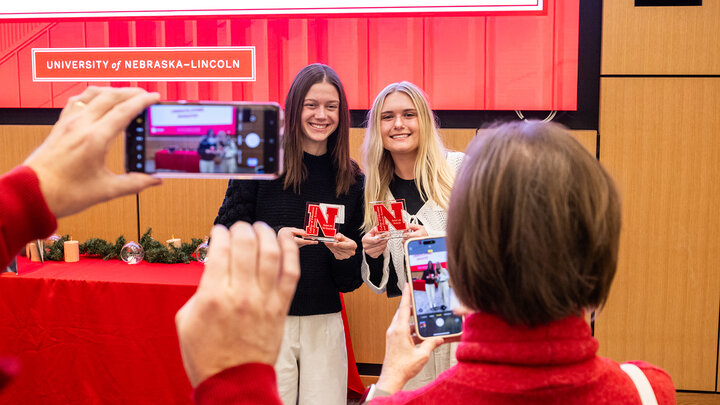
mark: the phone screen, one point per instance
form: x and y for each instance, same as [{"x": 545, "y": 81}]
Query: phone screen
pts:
[
  {"x": 207, "y": 140},
  {"x": 433, "y": 296}
]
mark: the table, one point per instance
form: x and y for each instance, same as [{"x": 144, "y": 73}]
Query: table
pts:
[
  {"x": 179, "y": 160},
  {"x": 99, "y": 332}
]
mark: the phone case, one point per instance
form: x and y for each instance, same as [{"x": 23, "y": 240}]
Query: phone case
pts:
[{"x": 408, "y": 275}]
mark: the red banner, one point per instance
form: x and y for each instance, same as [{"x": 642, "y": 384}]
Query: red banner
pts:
[{"x": 146, "y": 64}]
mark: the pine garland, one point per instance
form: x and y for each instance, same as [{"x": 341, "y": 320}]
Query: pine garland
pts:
[
  {"x": 56, "y": 251},
  {"x": 155, "y": 252}
]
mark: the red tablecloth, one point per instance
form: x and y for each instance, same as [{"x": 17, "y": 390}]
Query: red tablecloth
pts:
[
  {"x": 99, "y": 332},
  {"x": 186, "y": 161}
]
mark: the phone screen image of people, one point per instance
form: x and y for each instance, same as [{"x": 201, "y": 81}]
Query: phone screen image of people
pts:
[{"x": 433, "y": 296}]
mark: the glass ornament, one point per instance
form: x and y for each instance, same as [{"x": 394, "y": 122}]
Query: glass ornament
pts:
[
  {"x": 132, "y": 253},
  {"x": 201, "y": 252}
]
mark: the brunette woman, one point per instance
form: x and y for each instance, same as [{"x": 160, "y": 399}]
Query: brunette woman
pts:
[{"x": 317, "y": 169}]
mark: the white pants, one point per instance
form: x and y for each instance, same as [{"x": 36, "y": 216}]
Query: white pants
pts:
[
  {"x": 312, "y": 366},
  {"x": 207, "y": 166},
  {"x": 430, "y": 291},
  {"x": 444, "y": 288}
]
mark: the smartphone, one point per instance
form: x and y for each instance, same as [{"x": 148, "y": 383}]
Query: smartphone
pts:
[
  {"x": 206, "y": 140},
  {"x": 433, "y": 298}
]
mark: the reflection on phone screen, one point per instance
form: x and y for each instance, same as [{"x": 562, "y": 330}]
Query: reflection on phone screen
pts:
[{"x": 432, "y": 293}]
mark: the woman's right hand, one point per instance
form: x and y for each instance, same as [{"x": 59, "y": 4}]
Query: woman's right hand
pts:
[
  {"x": 373, "y": 245},
  {"x": 297, "y": 235},
  {"x": 403, "y": 359}
]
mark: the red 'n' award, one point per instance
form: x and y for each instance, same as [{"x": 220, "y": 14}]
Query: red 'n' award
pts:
[{"x": 390, "y": 221}]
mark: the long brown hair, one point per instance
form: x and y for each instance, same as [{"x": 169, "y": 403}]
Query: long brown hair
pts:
[
  {"x": 338, "y": 142},
  {"x": 533, "y": 226}
]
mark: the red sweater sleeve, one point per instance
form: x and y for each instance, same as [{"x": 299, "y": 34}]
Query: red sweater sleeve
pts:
[
  {"x": 24, "y": 214},
  {"x": 252, "y": 383}
]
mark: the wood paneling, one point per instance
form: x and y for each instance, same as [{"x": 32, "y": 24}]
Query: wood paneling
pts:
[
  {"x": 356, "y": 140},
  {"x": 108, "y": 220},
  {"x": 368, "y": 379},
  {"x": 457, "y": 139},
  {"x": 369, "y": 316},
  {"x": 185, "y": 208},
  {"x": 693, "y": 398},
  {"x": 18, "y": 142},
  {"x": 660, "y": 40},
  {"x": 659, "y": 140}
]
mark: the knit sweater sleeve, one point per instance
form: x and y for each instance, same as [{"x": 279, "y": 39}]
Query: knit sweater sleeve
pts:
[
  {"x": 252, "y": 383},
  {"x": 239, "y": 203},
  {"x": 24, "y": 214},
  {"x": 346, "y": 273}
]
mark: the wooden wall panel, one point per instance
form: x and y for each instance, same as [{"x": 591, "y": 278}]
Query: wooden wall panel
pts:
[
  {"x": 108, "y": 220},
  {"x": 18, "y": 142},
  {"x": 369, "y": 316},
  {"x": 694, "y": 398},
  {"x": 660, "y": 40},
  {"x": 185, "y": 208},
  {"x": 659, "y": 140}
]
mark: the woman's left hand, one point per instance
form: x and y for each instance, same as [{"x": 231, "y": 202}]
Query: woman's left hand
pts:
[
  {"x": 414, "y": 231},
  {"x": 343, "y": 248}
]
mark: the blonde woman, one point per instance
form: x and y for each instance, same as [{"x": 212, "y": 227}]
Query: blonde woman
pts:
[{"x": 405, "y": 158}]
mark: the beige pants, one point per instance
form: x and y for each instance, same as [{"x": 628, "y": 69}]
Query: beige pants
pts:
[
  {"x": 312, "y": 366},
  {"x": 441, "y": 359}
]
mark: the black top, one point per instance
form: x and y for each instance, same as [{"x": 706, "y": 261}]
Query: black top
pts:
[
  {"x": 322, "y": 276},
  {"x": 204, "y": 148},
  {"x": 400, "y": 189}
]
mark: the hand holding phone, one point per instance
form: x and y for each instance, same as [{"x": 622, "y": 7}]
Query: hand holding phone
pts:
[
  {"x": 404, "y": 358},
  {"x": 206, "y": 140},
  {"x": 433, "y": 299}
]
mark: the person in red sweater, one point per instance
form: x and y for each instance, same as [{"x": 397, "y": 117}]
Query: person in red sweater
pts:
[
  {"x": 533, "y": 235},
  {"x": 67, "y": 173}
]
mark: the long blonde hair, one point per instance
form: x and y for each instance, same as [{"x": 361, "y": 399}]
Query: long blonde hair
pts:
[{"x": 433, "y": 176}]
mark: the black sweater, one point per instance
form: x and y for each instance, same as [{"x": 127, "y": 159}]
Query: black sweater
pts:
[{"x": 322, "y": 276}]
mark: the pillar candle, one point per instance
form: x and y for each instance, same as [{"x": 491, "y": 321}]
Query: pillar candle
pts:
[
  {"x": 72, "y": 251},
  {"x": 31, "y": 251},
  {"x": 177, "y": 242}
]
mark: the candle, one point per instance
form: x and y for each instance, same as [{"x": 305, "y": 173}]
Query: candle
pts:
[
  {"x": 31, "y": 251},
  {"x": 72, "y": 251},
  {"x": 173, "y": 241}
]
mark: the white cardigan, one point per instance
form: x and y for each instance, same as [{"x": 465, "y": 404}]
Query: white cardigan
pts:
[{"x": 434, "y": 219}]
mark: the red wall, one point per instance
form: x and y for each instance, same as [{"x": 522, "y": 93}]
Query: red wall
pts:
[{"x": 500, "y": 62}]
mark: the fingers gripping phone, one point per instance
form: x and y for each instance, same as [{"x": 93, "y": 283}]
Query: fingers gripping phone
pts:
[
  {"x": 206, "y": 140},
  {"x": 433, "y": 298}
]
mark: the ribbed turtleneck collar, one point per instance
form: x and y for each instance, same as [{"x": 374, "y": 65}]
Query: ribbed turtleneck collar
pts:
[{"x": 488, "y": 338}]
